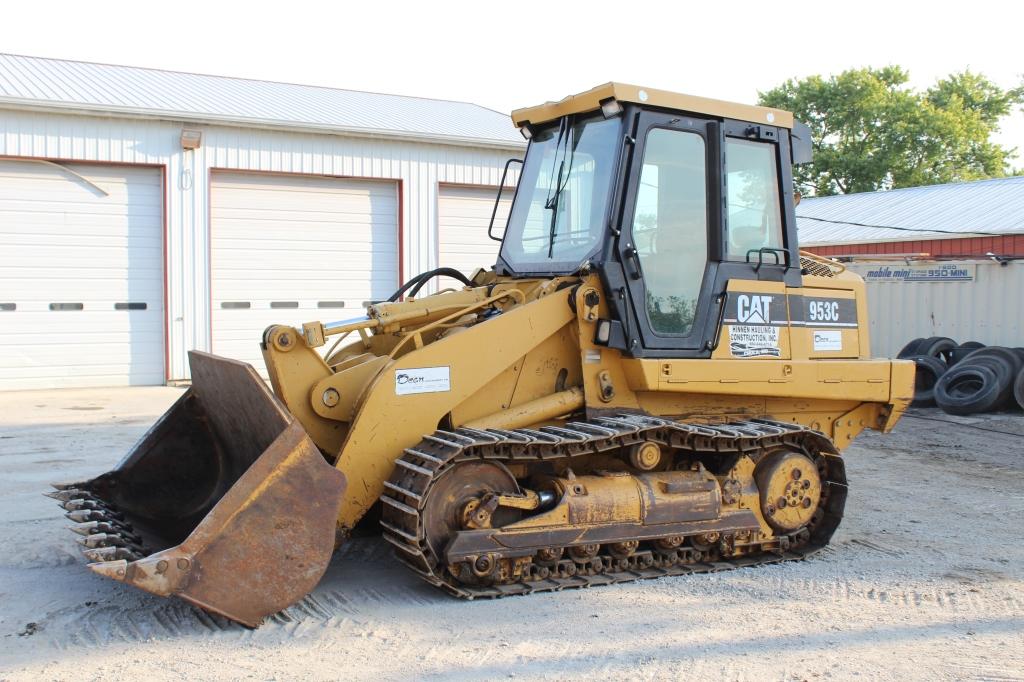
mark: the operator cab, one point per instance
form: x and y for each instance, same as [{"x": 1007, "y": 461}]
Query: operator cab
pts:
[{"x": 667, "y": 197}]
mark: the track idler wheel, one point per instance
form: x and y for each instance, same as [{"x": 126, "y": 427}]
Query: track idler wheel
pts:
[
  {"x": 790, "y": 490},
  {"x": 454, "y": 503}
]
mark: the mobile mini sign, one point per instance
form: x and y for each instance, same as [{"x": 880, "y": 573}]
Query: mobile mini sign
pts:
[{"x": 930, "y": 272}]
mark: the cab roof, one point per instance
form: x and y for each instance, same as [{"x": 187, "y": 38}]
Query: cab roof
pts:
[{"x": 591, "y": 101}]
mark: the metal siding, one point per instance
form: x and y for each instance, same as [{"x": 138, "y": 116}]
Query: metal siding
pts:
[
  {"x": 989, "y": 309},
  {"x": 420, "y": 167},
  {"x": 1006, "y": 245}
]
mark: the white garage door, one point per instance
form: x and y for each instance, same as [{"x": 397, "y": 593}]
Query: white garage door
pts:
[
  {"x": 463, "y": 214},
  {"x": 81, "y": 275},
  {"x": 291, "y": 249}
]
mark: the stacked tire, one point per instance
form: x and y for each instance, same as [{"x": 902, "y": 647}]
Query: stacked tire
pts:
[{"x": 967, "y": 378}]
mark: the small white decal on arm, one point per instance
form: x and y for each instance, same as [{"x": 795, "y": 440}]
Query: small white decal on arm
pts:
[{"x": 422, "y": 380}]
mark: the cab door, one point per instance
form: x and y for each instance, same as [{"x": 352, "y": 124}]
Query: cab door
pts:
[{"x": 670, "y": 239}]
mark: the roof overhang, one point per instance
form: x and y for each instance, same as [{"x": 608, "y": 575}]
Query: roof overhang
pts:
[
  {"x": 591, "y": 100},
  {"x": 917, "y": 237},
  {"x": 914, "y": 237},
  {"x": 266, "y": 124}
]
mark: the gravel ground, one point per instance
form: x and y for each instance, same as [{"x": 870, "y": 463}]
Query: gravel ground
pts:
[{"x": 924, "y": 579}]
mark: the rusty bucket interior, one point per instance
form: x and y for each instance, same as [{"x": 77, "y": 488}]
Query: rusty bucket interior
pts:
[{"x": 224, "y": 502}]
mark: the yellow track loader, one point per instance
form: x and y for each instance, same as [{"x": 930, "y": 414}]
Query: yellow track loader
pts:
[{"x": 652, "y": 380}]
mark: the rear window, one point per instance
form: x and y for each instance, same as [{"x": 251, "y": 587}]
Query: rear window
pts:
[{"x": 753, "y": 218}]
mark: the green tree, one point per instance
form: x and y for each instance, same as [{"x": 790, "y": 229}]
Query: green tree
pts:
[{"x": 871, "y": 131}]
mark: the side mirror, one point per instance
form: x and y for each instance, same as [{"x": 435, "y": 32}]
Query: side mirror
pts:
[
  {"x": 497, "y": 199},
  {"x": 800, "y": 143}
]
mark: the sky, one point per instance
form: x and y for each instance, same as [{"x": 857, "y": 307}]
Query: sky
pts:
[{"x": 508, "y": 55}]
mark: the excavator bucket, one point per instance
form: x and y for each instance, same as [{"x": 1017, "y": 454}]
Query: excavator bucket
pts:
[{"x": 225, "y": 502}]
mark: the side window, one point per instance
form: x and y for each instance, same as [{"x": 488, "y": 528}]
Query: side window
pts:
[
  {"x": 670, "y": 227},
  {"x": 753, "y": 215}
]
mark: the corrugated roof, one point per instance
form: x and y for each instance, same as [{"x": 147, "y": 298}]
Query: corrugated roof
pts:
[
  {"x": 61, "y": 84},
  {"x": 963, "y": 209}
]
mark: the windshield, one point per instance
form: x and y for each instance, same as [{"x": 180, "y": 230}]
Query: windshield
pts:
[{"x": 558, "y": 214}]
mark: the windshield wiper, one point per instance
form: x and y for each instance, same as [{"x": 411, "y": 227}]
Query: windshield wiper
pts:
[{"x": 565, "y": 131}]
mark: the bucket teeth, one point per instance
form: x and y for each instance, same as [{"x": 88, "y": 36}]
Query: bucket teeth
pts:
[
  {"x": 69, "y": 494},
  {"x": 110, "y": 540},
  {"x": 101, "y": 554},
  {"x": 94, "y": 527},
  {"x": 102, "y": 540},
  {"x": 116, "y": 569},
  {"x": 66, "y": 486},
  {"x": 79, "y": 503},
  {"x": 92, "y": 505},
  {"x": 83, "y": 515},
  {"x": 86, "y": 528},
  {"x": 106, "y": 536},
  {"x": 101, "y": 514},
  {"x": 97, "y": 514}
]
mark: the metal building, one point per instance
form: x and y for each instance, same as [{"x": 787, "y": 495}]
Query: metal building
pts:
[
  {"x": 965, "y": 300},
  {"x": 955, "y": 220},
  {"x": 940, "y": 260},
  {"x": 144, "y": 213}
]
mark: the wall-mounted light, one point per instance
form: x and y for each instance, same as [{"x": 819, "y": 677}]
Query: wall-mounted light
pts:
[
  {"x": 191, "y": 139},
  {"x": 1002, "y": 260}
]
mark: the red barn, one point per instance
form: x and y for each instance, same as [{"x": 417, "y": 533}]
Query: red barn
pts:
[{"x": 965, "y": 219}]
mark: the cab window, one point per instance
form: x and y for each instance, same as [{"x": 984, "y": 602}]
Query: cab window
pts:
[
  {"x": 753, "y": 215},
  {"x": 670, "y": 227}
]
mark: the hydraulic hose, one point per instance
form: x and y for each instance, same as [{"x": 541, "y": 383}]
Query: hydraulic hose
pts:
[{"x": 417, "y": 282}]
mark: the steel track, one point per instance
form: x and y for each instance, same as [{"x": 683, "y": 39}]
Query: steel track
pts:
[{"x": 419, "y": 467}]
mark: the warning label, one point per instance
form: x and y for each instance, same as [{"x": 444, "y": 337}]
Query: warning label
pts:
[{"x": 754, "y": 341}]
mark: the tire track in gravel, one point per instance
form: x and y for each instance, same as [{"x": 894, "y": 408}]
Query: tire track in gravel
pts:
[
  {"x": 946, "y": 597},
  {"x": 364, "y": 584},
  {"x": 989, "y": 673},
  {"x": 379, "y": 586}
]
